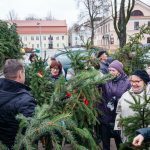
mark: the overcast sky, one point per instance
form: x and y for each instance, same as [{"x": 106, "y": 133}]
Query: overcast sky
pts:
[{"x": 60, "y": 9}]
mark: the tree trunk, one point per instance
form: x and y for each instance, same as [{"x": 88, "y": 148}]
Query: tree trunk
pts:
[{"x": 122, "y": 38}]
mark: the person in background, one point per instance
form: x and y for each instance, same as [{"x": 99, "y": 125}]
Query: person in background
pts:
[
  {"x": 55, "y": 69},
  {"x": 33, "y": 57},
  {"x": 15, "y": 98},
  {"x": 143, "y": 134},
  {"x": 139, "y": 84},
  {"x": 111, "y": 92},
  {"x": 104, "y": 61}
]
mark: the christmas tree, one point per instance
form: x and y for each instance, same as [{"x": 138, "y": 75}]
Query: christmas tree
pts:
[
  {"x": 140, "y": 119},
  {"x": 66, "y": 111}
]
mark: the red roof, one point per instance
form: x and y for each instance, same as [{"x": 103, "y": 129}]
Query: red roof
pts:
[
  {"x": 43, "y": 26},
  {"x": 40, "y": 22}
]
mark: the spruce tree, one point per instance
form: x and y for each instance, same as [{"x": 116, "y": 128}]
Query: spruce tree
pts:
[
  {"x": 58, "y": 118},
  {"x": 141, "y": 119},
  {"x": 132, "y": 55},
  {"x": 10, "y": 44}
]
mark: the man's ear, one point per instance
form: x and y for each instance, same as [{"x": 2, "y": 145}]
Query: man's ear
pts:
[{"x": 19, "y": 74}]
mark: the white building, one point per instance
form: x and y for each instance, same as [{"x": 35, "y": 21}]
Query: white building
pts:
[
  {"x": 79, "y": 37},
  {"x": 106, "y": 36},
  {"x": 42, "y": 34}
]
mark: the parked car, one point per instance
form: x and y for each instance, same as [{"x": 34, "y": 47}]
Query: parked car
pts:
[{"x": 62, "y": 56}]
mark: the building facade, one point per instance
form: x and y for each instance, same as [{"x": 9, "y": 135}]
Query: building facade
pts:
[
  {"x": 106, "y": 36},
  {"x": 42, "y": 34},
  {"x": 79, "y": 37}
]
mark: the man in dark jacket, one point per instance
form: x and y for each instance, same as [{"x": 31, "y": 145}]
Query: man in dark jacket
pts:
[
  {"x": 14, "y": 99},
  {"x": 143, "y": 134},
  {"x": 104, "y": 61}
]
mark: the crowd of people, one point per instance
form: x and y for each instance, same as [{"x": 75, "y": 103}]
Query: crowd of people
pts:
[{"x": 16, "y": 98}]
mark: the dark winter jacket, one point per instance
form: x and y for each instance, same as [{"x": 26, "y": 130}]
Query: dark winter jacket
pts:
[
  {"x": 14, "y": 99},
  {"x": 111, "y": 92},
  {"x": 145, "y": 132},
  {"x": 104, "y": 65}
]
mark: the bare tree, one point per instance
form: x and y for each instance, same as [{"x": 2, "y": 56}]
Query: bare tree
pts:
[
  {"x": 49, "y": 16},
  {"x": 32, "y": 17},
  {"x": 12, "y": 15},
  {"x": 121, "y": 18},
  {"x": 92, "y": 12}
]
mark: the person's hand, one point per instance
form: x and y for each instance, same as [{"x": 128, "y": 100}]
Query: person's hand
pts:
[{"x": 137, "y": 141}]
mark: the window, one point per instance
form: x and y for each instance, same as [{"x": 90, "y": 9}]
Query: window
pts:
[
  {"x": 103, "y": 29},
  {"x": 37, "y": 37},
  {"x": 44, "y": 45},
  {"x": 148, "y": 40},
  {"x": 44, "y": 37},
  {"x": 25, "y": 38},
  {"x": 32, "y": 45},
  {"x": 111, "y": 40},
  {"x": 62, "y": 37},
  {"x": 136, "y": 25},
  {"x": 76, "y": 38},
  {"x": 37, "y": 45},
  {"x": 108, "y": 27},
  {"x": 57, "y": 44},
  {"x": 32, "y": 38},
  {"x": 57, "y": 38},
  {"x": 137, "y": 13},
  {"x": 149, "y": 23}
]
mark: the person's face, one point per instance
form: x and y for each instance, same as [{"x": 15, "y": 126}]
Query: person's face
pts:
[
  {"x": 103, "y": 57},
  {"x": 55, "y": 71},
  {"x": 137, "y": 84},
  {"x": 114, "y": 72},
  {"x": 33, "y": 59}
]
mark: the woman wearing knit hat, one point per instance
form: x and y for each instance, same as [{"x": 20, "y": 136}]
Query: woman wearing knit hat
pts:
[
  {"x": 111, "y": 92},
  {"x": 139, "y": 85}
]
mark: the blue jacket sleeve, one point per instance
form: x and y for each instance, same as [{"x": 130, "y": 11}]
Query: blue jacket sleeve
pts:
[{"x": 145, "y": 132}]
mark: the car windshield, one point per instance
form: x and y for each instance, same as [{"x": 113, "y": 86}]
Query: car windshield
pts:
[{"x": 63, "y": 58}]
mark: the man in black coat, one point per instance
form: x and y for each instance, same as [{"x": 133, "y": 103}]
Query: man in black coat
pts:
[
  {"x": 104, "y": 61},
  {"x": 15, "y": 98}
]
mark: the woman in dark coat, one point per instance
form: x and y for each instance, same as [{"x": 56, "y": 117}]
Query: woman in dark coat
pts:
[{"x": 111, "y": 92}]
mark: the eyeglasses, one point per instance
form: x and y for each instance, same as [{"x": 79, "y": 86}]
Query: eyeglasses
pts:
[{"x": 135, "y": 81}]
